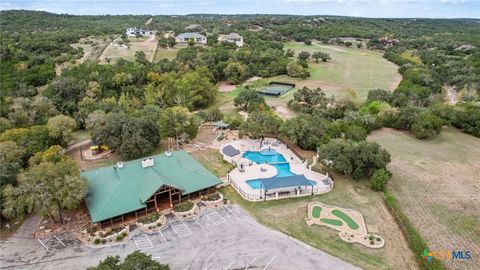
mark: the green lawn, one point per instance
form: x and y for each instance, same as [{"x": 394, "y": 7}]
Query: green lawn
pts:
[
  {"x": 288, "y": 216},
  {"x": 316, "y": 211},
  {"x": 341, "y": 215},
  {"x": 162, "y": 53},
  {"x": 349, "y": 68},
  {"x": 213, "y": 160},
  {"x": 334, "y": 222}
]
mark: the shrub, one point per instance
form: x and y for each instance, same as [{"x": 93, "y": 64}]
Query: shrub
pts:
[
  {"x": 213, "y": 197},
  {"x": 184, "y": 207},
  {"x": 426, "y": 126},
  {"x": 104, "y": 241},
  {"x": 415, "y": 240},
  {"x": 97, "y": 241},
  {"x": 379, "y": 179}
]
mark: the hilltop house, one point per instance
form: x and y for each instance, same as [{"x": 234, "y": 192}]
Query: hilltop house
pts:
[
  {"x": 133, "y": 31},
  {"x": 233, "y": 38},
  {"x": 185, "y": 37},
  {"x": 129, "y": 190}
]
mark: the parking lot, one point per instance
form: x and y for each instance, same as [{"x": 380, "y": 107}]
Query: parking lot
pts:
[{"x": 225, "y": 238}]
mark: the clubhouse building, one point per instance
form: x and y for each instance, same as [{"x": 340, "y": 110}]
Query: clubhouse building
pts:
[{"x": 124, "y": 192}]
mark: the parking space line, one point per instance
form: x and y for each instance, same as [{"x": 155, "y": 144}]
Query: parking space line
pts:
[
  {"x": 215, "y": 217},
  {"x": 163, "y": 236},
  {"x": 269, "y": 262},
  {"x": 181, "y": 229},
  {"x": 230, "y": 264},
  {"x": 196, "y": 221},
  {"x": 42, "y": 243},
  {"x": 143, "y": 242},
  {"x": 59, "y": 240},
  {"x": 230, "y": 211},
  {"x": 250, "y": 263}
]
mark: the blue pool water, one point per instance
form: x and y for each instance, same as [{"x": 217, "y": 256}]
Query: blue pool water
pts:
[{"x": 269, "y": 156}]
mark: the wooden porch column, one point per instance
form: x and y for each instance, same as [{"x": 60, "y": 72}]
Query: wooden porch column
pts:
[
  {"x": 155, "y": 198},
  {"x": 170, "y": 197}
]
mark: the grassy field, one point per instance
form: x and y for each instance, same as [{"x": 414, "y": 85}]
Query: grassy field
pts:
[
  {"x": 212, "y": 159},
  {"x": 288, "y": 216},
  {"x": 408, "y": 54},
  {"x": 349, "y": 68},
  {"x": 148, "y": 46},
  {"x": 436, "y": 183}
]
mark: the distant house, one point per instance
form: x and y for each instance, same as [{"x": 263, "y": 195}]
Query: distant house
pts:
[
  {"x": 194, "y": 27},
  {"x": 129, "y": 190},
  {"x": 196, "y": 37},
  {"x": 233, "y": 38},
  {"x": 389, "y": 42},
  {"x": 133, "y": 31}
]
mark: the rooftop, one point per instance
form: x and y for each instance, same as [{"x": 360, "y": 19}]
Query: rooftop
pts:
[
  {"x": 190, "y": 35},
  {"x": 116, "y": 190}
]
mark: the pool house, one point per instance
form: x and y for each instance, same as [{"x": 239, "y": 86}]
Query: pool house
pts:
[{"x": 268, "y": 169}]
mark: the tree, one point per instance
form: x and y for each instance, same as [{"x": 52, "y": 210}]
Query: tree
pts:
[
  {"x": 162, "y": 42},
  {"x": 141, "y": 58},
  {"x": 379, "y": 95},
  {"x": 352, "y": 158},
  {"x": 11, "y": 161},
  {"x": 214, "y": 114},
  {"x": 305, "y": 131},
  {"x": 348, "y": 44},
  {"x": 135, "y": 260},
  {"x": 46, "y": 188},
  {"x": 426, "y": 126},
  {"x": 303, "y": 55},
  {"x": 235, "y": 72},
  {"x": 296, "y": 70},
  {"x": 191, "y": 42},
  {"x": 176, "y": 122},
  {"x": 307, "y": 42},
  {"x": 261, "y": 123},
  {"x": 250, "y": 100},
  {"x": 355, "y": 132},
  {"x": 321, "y": 55},
  {"x": 131, "y": 136},
  {"x": 61, "y": 127},
  {"x": 379, "y": 179},
  {"x": 171, "y": 42}
]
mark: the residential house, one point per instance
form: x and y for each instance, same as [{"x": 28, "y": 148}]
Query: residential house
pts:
[
  {"x": 194, "y": 27},
  {"x": 196, "y": 37},
  {"x": 233, "y": 38},
  {"x": 134, "y": 31}
]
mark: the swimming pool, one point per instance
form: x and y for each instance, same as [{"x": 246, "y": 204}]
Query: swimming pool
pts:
[{"x": 269, "y": 156}]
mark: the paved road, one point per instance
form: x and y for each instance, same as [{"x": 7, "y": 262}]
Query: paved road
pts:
[{"x": 227, "y": 238}]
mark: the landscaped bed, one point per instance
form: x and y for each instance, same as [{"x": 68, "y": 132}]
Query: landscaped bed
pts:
[
  {"x": 349, "y": 222},
  {"x": 186, "y": 210}
]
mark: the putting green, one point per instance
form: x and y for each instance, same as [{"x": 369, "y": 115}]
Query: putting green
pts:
[
  {"x": 316, "y": 211},
  {"x": 334, "y": 222},
  {"x": 341, "y": 215}
]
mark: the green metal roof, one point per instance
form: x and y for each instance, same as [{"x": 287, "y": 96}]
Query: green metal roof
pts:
[{"x": 115, "y": 191}]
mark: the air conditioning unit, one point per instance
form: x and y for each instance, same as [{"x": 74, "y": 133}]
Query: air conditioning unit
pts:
[
  {"x": 148, "y": 162},
  {"x": 119, "y": 164}
]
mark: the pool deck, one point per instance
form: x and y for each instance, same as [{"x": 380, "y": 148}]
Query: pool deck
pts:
[{"x": 261, "y": 171}]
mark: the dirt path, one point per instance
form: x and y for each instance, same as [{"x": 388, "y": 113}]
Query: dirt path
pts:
[{"x": 451, "y": 94}]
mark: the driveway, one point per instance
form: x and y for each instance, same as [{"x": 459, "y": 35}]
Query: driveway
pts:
[{"x": 225, "y": 238}]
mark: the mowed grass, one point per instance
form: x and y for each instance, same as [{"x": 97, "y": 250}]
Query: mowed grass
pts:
[
  {"x": 147, "y": 45},
  {"x": 168, "y": 53},
  {"x": 212, "y": 160},
  {"x": 288, "y": 216},
  {"x": 437, "y": 184},
  {"x": 349, "y": 68}
]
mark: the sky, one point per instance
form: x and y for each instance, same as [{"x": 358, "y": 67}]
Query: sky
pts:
[{"x": 359, "y": 8}]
